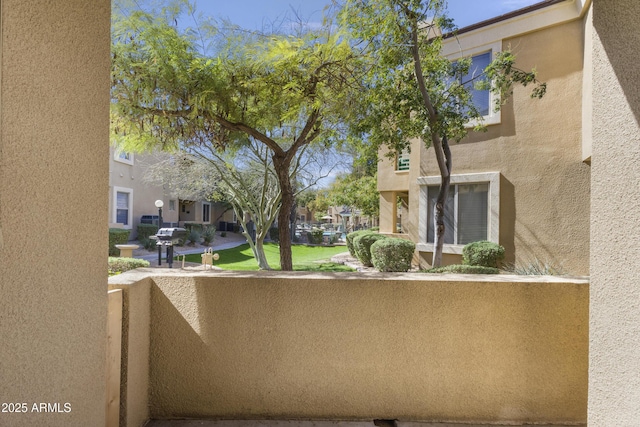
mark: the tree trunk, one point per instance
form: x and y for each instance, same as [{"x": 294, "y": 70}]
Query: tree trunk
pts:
[
  {"x": 439, "y": 208},
  {"x": 281, "y": 166},
  {"x": 257, "y": 247},
  {"x": 263, "y": 264}
]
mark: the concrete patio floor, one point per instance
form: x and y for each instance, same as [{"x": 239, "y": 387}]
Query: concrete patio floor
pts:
[{"x": 324, "y": 423}]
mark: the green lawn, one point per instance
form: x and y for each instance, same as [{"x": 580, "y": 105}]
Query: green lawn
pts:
[{"x": 305, "y": 258}]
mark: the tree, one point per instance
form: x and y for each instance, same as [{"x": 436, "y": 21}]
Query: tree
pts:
[
  {"x": 359, "y": 188},
  {"x": 415, "y": 92},
  {"x": 243, "y": 177},
  {"x": 284, "y": 91}
]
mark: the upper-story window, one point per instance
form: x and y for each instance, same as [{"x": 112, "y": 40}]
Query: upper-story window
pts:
[
  {"x": 123, "y": 157},
  {"x": 481, "y": 97},
  {"x": 402, "y": 163}
]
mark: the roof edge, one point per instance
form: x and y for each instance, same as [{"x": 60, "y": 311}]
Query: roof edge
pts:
[{"x": 499, "y": 18}]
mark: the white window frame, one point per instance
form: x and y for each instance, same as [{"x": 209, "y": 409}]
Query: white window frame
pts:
[
  {"x": 494, "y": 117},
  {"x": 114, "y": 211},
  {"x": 493, "y": 231},
  {"x": 403, "y": 158},
  {"x": 172, "y": 205},
  {"x": 116, "y": 156}
]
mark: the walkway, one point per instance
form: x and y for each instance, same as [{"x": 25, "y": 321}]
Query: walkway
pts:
[{"x": 231, "y": 240}]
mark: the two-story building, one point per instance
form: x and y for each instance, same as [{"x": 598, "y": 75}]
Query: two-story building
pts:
[
  {"x": 132, "y": 197},
  {"x": 525, "y": 183}
]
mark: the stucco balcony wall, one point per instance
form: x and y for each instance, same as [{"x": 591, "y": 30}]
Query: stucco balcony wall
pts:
[{"x": 232, "y": 345}]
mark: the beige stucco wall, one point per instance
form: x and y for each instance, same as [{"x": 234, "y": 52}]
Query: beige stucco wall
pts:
[
  {"x": 53, "y": 205},
  {"x": 544, "y": 188},
  {"x": 144, "y": 193},
  {"x": 391, "y": 182},
  {"x": 614, "y": 375},
  {"x": 344, "y": 346},
  {"x": 136, "y": 313}
]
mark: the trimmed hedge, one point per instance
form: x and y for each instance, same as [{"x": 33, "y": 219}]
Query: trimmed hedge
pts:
[
  {"x": 146, "y": 230},
  {"x": 463, "y": 269},
  {"x": 349, "y": 238},
  {"x": 392, "y": 254},
  {"x": 119, "y": 265},
  {"x": 117, "y": 236},
  {"x": 483, "y": 253},
  {"x": 362, "y": 245}
]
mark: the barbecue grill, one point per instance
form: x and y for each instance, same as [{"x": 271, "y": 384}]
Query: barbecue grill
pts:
[{"x": 169, "y": 237}]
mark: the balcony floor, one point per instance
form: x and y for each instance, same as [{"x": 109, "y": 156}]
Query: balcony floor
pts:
[{"x": 303, "y": 423}]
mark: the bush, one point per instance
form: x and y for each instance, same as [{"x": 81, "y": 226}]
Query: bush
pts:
[
  {"x": 119, "y": 265},
  {"x": 392, "y": 254},
  {"x": 350, "y": 237},
  {"x": 463, "y": 269},
  {"x": 193, "y": 226},
  {"x": 146, "y": 230},
  {"x": 223, "y": 234},
  {"x": 117, "y": 236},
  {"x": 535, "y": 267},
  {"x": 362, "y": 245},
  {"x": 148, "y": 244},
  {"x": 274, "y": 234},
  {"x": 208, "y": 234},
  {"x": 315, "y": 236},
  {"x": 483, "y": 253},
  {"x": 193, "y": 236}
]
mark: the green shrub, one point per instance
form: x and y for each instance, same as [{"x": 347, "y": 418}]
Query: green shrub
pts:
[
  {"x": 362, "y": 245},
  {"x": 536, "y": 267},
  {"x": 349, "y": 238},
  {"x": 315, "y": 236},
  {"x": 117, "y": 236},
  {"x": 483, "y": 253},
  {"x": 392, "y": 254},
  {"x": 119, "y": 265},
  {"x": 193, "y": 236},
  {"x": 147, "y": 243},
  {"x": 274, "y": 234},
  {"x": 376, "y": 229},
  {"x": 146, "y": 230},
  {"x": 223, "y": 234},
  {"x": 208, "y": 234},
  {"x": 463, "y": 269},
  {"x": 190, "y": 226}
]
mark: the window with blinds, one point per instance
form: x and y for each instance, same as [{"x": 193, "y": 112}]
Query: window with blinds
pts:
[
  {"x": 466, "y": 215},
  {"x": 122, "y": 208}
]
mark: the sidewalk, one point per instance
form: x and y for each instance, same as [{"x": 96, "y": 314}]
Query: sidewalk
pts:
[{"x": 219, "y": 243}]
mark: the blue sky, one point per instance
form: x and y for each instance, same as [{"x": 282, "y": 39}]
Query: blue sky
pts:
[{"x": 252, "y": 14}]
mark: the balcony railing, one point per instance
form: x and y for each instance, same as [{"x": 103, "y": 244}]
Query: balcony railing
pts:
[{"x": 240, "y": 345}]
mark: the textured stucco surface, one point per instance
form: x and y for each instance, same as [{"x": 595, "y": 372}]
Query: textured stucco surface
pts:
[
  {"x": 365, "y": 346},
  {"x": 53, "y": 204},
  {"x": 134, "y": 401},
  {"x": 544, "y": 188},
  {"x": 614, "y": 374}
]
